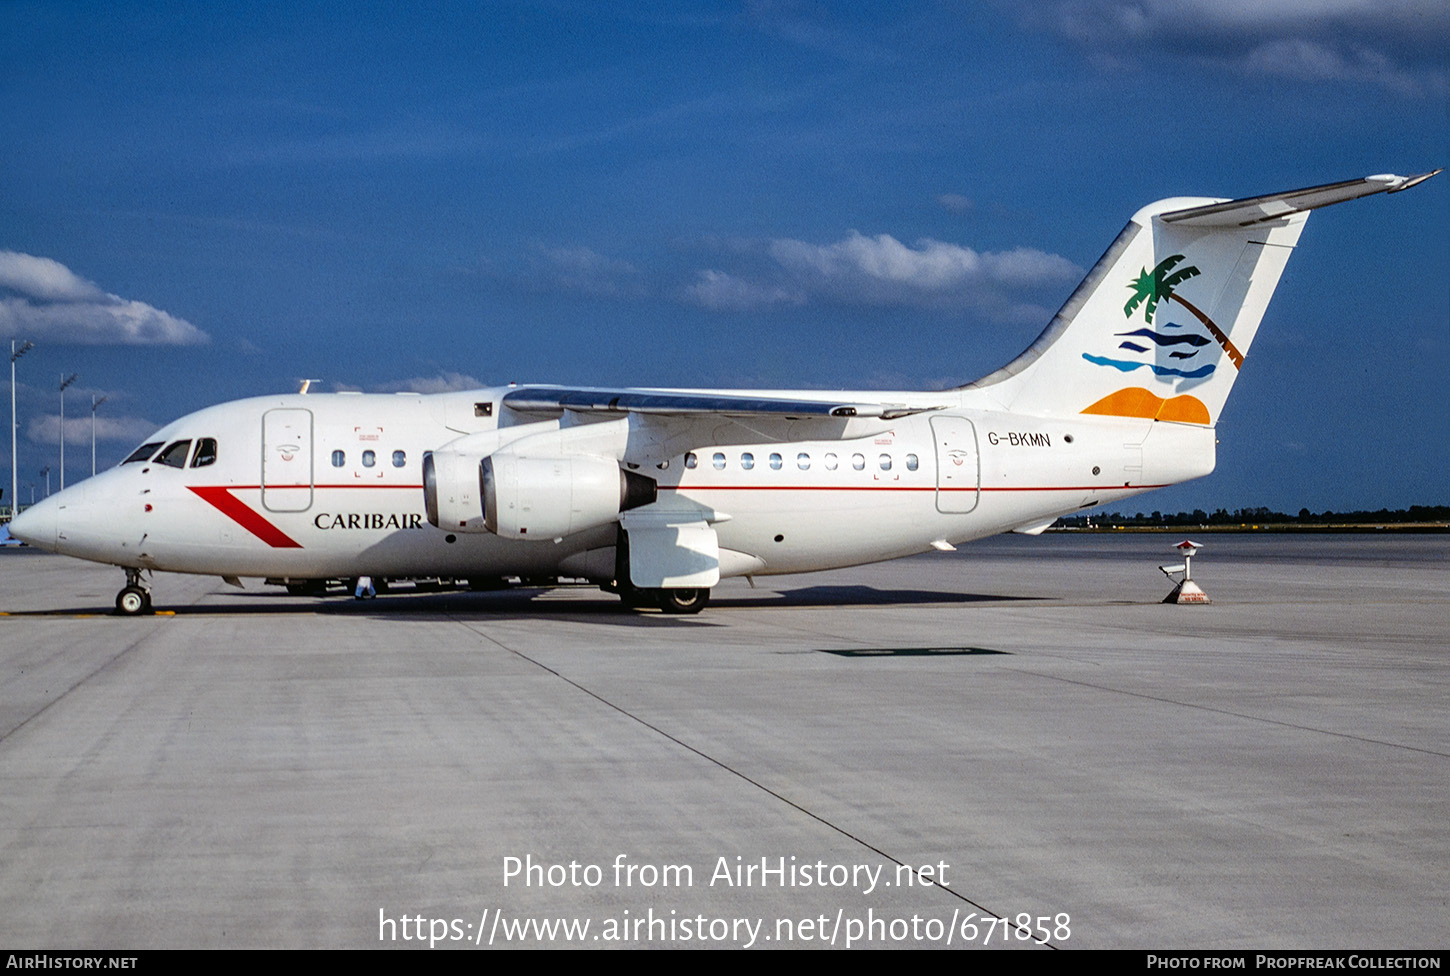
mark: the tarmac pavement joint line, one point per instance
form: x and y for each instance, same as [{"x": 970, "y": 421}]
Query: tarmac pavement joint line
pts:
[
  {"x": 1229, "y": 712},
  {"x": 731, "y": 770},
  {"x": 102, "y": 667}
]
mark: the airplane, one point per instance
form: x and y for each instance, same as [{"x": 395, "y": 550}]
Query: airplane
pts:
[{"x": 658, "y": 494}]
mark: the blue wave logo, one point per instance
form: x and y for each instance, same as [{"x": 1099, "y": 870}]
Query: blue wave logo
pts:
[
  {"x": 1181, "y": 345},
  {"x": 1128, "y": 366}
]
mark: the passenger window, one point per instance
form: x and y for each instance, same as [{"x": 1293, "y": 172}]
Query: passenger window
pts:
[
  {"x": 205, "y": 452},
  {"x": 747, "y": 460},
  {"x": 175, "y": 455},
  {"x": 775, "y": 462},
  {"x": 143, "y": 453},
  {"x": 400, "y": 458},
  {"x": 369, "y": 459},
  {"x": 803, "y": 461},
  {"x": 886, "y": 462},
  {"x": 830, "y": 462},
  {"x": 858, "y": 461},
  {"x": 691, "y": 460},
  {"x": 719, "y": 461},
  {"x": 339, "y": 458},
  {"x": 911, "y": 462}
]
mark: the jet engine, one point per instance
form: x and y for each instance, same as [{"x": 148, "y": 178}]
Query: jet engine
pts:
[
  {"x": 549, "y": 498},
  {"x": 453, "y": 491}
]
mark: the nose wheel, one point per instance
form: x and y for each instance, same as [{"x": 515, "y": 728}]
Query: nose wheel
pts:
[{"x": 134, "y": 599}]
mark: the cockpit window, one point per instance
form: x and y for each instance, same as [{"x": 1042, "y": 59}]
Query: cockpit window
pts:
[
  {"x": 175, "y": 455},
  {"x": 205, "y": 452},
  {"x": 143, "y": 453}
]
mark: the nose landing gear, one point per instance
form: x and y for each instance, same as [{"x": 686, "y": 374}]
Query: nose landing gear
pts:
[{"x": 134, "y": 599}]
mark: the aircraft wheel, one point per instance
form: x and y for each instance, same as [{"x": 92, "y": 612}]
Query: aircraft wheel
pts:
[
  {"x": 133, "y": 601},
  {"x": 682, "y": 600}
]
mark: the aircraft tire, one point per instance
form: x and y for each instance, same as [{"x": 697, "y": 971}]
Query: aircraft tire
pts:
[
  {"x": 133, "y": 601},
  {"x": 682, "y": 600}
]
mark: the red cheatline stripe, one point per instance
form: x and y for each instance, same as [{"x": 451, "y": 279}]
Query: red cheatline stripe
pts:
[
  {"x": 895, "y": 488},
  {"x": 222, "y": 499},
  {"x": 362, "y": 484}
]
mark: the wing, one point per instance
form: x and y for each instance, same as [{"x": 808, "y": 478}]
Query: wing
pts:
[{"x": 687, "y": 404}]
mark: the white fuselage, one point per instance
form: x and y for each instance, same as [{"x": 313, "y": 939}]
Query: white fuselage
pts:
[{"x": 331, "y": 485}]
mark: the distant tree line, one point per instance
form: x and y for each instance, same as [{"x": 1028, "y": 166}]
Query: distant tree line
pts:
[{"x": 1259, "y": 516}]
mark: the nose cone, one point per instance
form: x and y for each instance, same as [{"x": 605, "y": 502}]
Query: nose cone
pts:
[{"x": 36, "y": 525}]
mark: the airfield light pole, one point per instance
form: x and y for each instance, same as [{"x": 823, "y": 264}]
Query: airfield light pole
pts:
[
  {"x": 45, "y": 473},
  {"x": 16, "y": 351},
  {"x": 65, "y": 381},
  {"x": 95, "y": 402}
]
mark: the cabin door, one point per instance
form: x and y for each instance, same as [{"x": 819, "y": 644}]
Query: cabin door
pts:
[
  {"x": 287, "y": 460},
  {"x": 957, "y": 474}
]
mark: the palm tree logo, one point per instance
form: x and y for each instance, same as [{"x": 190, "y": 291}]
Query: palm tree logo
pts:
[{"x": 1160, "y": 284}]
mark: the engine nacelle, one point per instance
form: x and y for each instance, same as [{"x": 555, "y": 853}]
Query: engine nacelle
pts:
[
  {"x": 549, "y": 498},
  {"x": 453, "y": 491}
]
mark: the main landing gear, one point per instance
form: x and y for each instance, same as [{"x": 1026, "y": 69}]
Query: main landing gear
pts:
[
  {"x": 669, "y": 601},
  {"x": 675, "y": 600},
  {"x": 134, "y": 599},
  {"x": 682, "y": 600}
]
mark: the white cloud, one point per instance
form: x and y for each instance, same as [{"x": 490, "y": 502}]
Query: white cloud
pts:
[
  {"x": 577, "y": 269},
  {"x": 584, "y": 260},
  {"x": 585, "y": 270},
  {"x": 955, "y": 202},
  {"x": 720, "y": 291},
  {"x": 43, "y": 299},
  {"x": 1396, "y": 44},
  {"x": 881, "y": 270},
  {"x": 46, "y": 429},
  {"x": 884, "y": 270},
  {"x": 444, "y": 382},
  {"x": 1311, "y": 61},
  {"x": 45, "y": 279}
]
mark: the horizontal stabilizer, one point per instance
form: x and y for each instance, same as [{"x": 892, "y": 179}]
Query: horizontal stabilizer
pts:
[{"x": 1273, "y": 206}]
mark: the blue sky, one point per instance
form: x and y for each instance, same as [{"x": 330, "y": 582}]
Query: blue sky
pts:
[{"x": 209, "y": 201}]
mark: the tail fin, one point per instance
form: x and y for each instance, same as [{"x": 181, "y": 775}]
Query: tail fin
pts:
[{"x": 1159, "y": 328}]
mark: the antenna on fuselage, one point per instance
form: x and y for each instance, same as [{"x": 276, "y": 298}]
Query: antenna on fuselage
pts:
[{"x": 306, "y": 384}]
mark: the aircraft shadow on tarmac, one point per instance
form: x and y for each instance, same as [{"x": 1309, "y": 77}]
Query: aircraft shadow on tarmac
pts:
[
  {"x": 525, "y": 602},
  {"x": 527, "y": 599}
]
